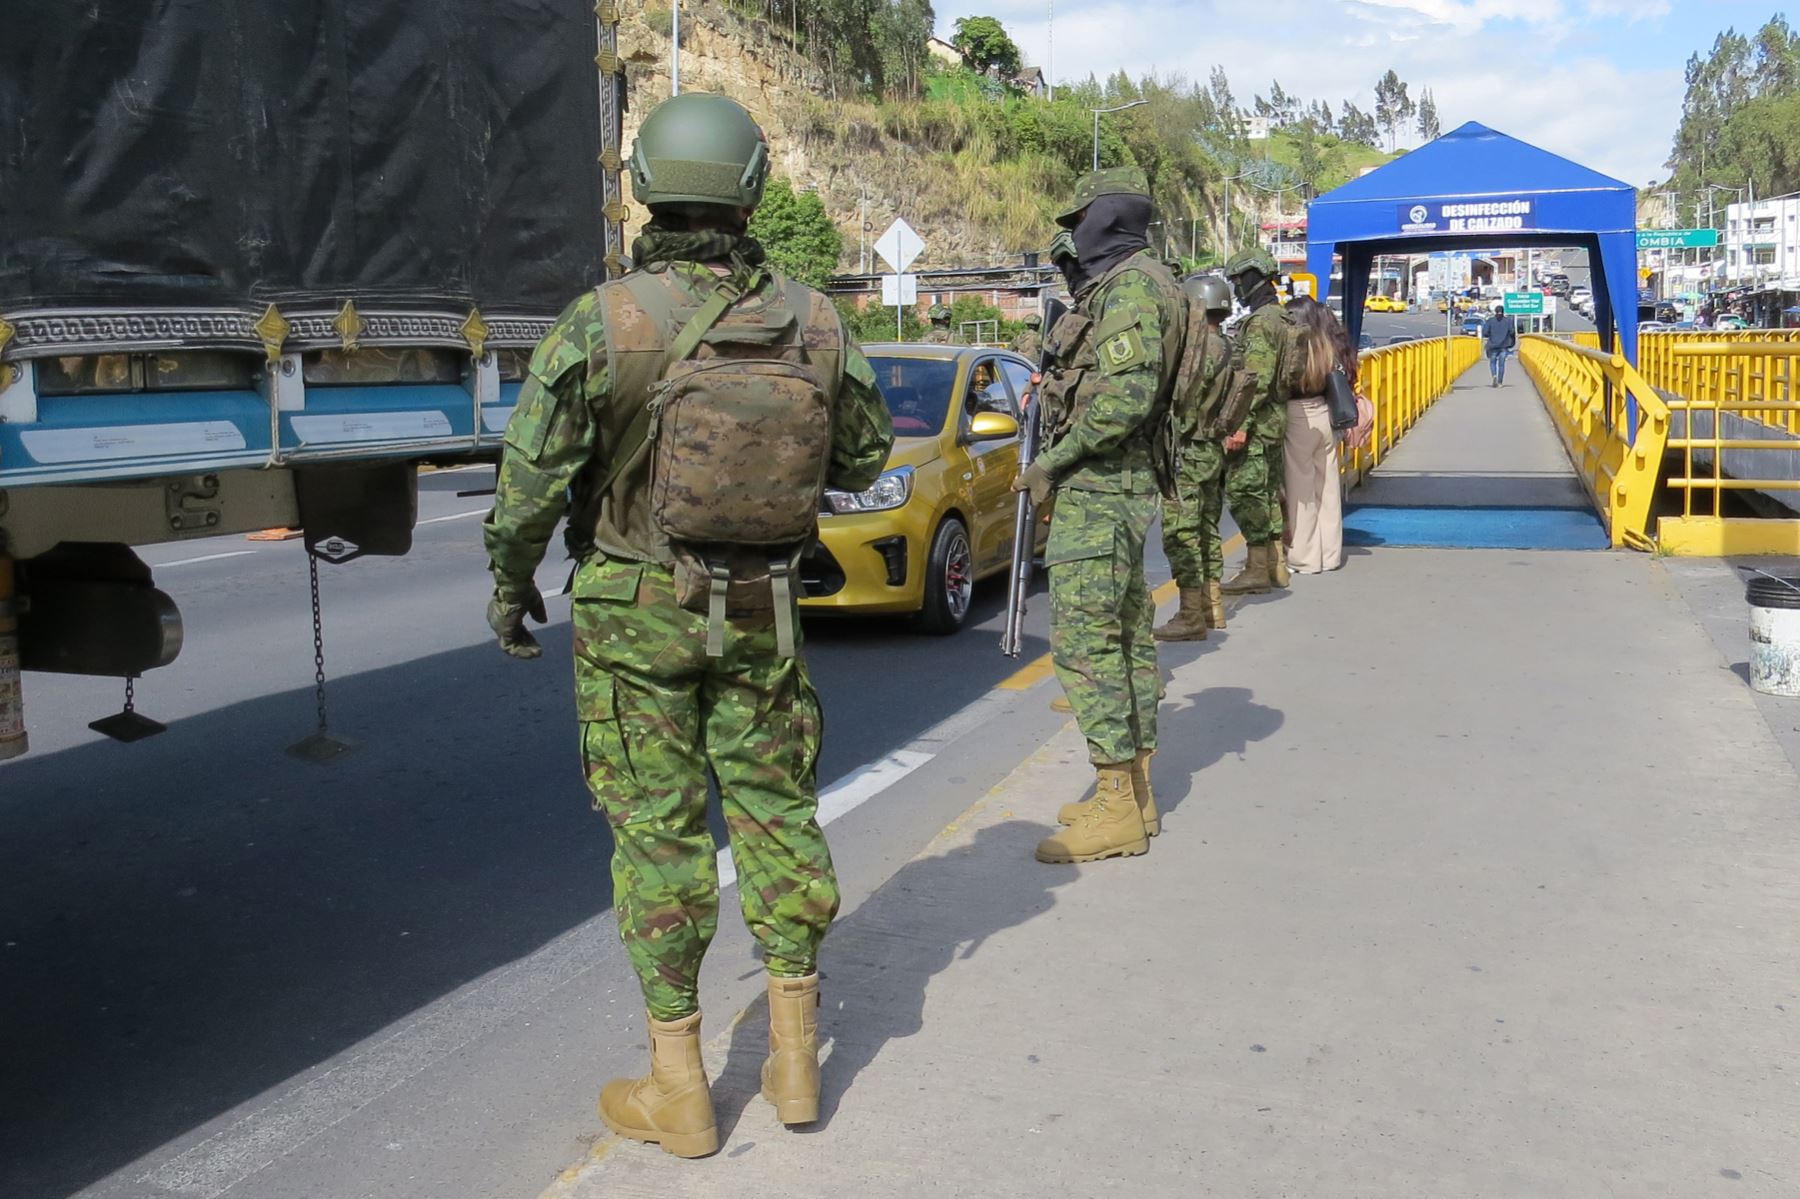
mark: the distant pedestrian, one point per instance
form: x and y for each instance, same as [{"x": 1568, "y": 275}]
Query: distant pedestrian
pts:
[
  {"x": 1501, "y": 334},
  {"x": 1310, "y": 457}
]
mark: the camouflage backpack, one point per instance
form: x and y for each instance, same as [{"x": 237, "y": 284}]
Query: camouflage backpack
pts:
[{"x": 736, "y": 409}]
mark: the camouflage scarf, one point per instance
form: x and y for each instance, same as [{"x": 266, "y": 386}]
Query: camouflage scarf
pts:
[{"x": 658, "y": 244}]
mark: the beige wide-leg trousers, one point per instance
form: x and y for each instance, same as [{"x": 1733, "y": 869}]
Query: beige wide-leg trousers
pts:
[{"x": 1314, "y": 494}]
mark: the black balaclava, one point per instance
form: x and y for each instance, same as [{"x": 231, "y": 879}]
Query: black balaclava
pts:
[
  {"x": 1254, "y": 295},
  {"x": 1112, "y": 229}
]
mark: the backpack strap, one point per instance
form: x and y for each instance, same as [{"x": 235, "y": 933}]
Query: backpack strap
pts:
[{"x": 727, "y": 293}]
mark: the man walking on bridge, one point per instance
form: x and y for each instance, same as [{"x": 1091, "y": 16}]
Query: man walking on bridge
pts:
[{"x": 1501, "y": 333}]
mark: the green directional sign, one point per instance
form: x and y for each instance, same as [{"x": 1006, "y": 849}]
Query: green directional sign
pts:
[
  {"x": 1524, "y": 303},
  {"x": 1677, "y": 239}
]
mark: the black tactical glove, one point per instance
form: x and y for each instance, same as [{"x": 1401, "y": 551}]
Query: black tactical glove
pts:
[{"x": 507, "y": 619}]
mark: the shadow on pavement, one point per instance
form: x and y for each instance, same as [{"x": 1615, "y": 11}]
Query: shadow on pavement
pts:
[
  {"x": 191, "y": 921},
  {"x": 878, "y": 963}
]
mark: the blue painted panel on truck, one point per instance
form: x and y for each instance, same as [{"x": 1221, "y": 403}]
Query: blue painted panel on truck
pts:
[{"x": 95, "y": 438}]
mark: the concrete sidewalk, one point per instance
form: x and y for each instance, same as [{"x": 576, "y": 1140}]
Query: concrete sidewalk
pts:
[
  {"x": 1481, "y": 877},
  {"x": 1479, "y": 446}
]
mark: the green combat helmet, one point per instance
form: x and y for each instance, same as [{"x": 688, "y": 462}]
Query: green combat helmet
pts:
[
  {"x": 1255, "y": 259},
  {"x": 1211, "y": 292},
  {"x": 1033, "y": 320},
  {"x": 1113, "y": 181},
  {"x": 697, "y": 148},
  {"x": 937, "y": 314},
  {"x": 1063, "y": 246}
]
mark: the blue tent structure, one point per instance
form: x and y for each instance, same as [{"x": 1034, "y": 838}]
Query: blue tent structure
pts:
[{"x": 1474, "y": 188}]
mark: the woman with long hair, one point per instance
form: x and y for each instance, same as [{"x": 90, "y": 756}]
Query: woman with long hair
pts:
[{"x": 1310, "y": 461}]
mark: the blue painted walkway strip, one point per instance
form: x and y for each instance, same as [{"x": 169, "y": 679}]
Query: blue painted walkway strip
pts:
[{"x": 1475, "y": 528}]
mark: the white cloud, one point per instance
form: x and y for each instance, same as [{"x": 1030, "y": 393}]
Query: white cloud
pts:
[{"x": 1535, "y": 69}]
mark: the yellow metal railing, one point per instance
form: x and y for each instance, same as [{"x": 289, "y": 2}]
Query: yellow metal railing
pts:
[
  {"x": 1402, "y": 382},
  {"x": 1736, "y": 425},
  {"x": 1598, "y": 402}
]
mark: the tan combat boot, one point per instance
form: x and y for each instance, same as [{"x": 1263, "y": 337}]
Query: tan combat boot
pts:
[
  {"x": 1215, "y": 606},
  {"x": 1253, "y": 579},
  {"x": 1069, "y": 813},
  {"x": 1140, "y": 788},
  {"x": 790, "y": 1076},
  {"x": 1278, "y": 568},
  {"x": 1108, "y": 827},
  {"x": 671, "y": 1106},
  {"x": 1061, "y": 704},
  {"x": 1189, "y": 621}
]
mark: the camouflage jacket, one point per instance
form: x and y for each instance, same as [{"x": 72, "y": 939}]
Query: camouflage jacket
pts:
[
  {"x": 1204, "y": 413},
  {"x": 1265, "y": 346},
  {"x": 1115, "y": 356},
  {"x": 567, "y": 422},
  {"x": 1028, "y": 343},
  {"x": 938, "y": 337}
]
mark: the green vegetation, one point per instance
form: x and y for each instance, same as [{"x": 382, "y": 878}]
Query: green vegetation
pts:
[
  {"x": 985, "y": 43},
  {"x": 1740, "y": 120},
  {"x": 801, "y": 240}
]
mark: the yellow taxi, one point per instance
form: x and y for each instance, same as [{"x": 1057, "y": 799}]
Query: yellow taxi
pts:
[
  {"x": 941, "y": 515},
  {"x": 1384, "y": 304}
]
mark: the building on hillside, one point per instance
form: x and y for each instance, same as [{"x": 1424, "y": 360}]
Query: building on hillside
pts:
[
  {"x": 1285, "y": 238},
  {"x": 943, "y": 52},
  {"x": 1257, "y": 129},
  {"x": 1031, "y": 81}
]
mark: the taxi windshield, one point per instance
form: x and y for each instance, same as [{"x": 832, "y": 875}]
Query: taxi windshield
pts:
[{"x": 917, "y": 391}]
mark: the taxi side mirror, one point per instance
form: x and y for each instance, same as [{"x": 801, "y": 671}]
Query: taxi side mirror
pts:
[{"x": 992, "y": 426}]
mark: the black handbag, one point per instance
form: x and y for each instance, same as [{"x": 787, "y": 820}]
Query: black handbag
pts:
[{"x": 1340, "y": 397}]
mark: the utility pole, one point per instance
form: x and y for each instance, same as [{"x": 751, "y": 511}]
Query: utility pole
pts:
[
  {"x": 1050, "y": 56},
  {"x": 1097, "y": 114},
  {"x": 675, "y": 48}
]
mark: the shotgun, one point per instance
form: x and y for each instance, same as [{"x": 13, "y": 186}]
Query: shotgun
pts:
[{"x": 1024, "y": 546}]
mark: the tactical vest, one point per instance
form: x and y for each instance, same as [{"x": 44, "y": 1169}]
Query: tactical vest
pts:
[
  {"x": 716, "y": 441},
  {"x": 1073, "y": 343},
  {"x": 1204, "y": 383}
]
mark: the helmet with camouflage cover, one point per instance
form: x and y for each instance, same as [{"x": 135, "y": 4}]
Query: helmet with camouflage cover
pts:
[
  {"x": 938, "y": 314},
  {"x": 1211, "y": 292},
  {"x": 1034, "y": 319},
  {"x": 1254, "y": 259},
  {"x": 1112, "y": 181},
  {"x": 698, "y": 148},
  {"x": 1062, "y": 246}
]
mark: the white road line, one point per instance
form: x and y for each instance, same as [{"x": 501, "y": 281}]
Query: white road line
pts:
[
  {"x": 438, "y": 520},
  {"x": 419, "y": 1041},
  {"x": 201, "y": 558}
]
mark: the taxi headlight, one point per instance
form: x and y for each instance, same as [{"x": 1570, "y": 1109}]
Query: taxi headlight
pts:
[{"x": 890, "y": 491}]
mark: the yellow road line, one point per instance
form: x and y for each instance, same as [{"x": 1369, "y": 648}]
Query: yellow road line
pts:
[{"x": 1036, "y": 671}]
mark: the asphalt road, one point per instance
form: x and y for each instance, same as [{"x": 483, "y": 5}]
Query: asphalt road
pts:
[{"x": 227, "y": 972}]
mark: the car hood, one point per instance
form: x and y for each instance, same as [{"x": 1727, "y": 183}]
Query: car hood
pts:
[{"x": 914, "y": 452}]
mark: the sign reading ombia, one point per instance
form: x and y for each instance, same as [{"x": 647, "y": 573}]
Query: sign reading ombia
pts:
[
  {"x": 1499, "y": 214},
  {"x": 1677, "y": 239}
]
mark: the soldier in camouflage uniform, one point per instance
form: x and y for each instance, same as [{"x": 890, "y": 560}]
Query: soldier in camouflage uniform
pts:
[
  {"x": 665, "y": 691},
  {"x": 1029, "y": 341},
  {"x": 1114, "y": 362},
  {"x": 1203, "y": 415},
  {"x": 1253, "y": 466},
  {"x": 939, "y": 334}
]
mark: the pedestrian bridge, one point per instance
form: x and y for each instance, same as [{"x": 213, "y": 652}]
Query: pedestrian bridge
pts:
[{"x": 1694, "y": 453}]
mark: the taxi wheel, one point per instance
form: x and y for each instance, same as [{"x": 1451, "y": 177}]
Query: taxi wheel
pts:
[{"x": 949, "y": 579}]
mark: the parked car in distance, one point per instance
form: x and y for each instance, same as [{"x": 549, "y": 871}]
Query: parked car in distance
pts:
[
  {"x": 1384, "y": 304},
  {"x": 1473, "y": 324},
  {"x": 940, "y": 516},
  {"x": 1653, "y": 327},
  {"x": 1730, "y": 323}
]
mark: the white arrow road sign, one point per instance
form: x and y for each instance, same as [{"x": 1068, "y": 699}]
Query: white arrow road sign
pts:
[{"x": 899, "y": 246}]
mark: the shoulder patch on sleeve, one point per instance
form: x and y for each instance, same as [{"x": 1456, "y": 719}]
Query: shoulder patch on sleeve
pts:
[{"x": 1122, "y": 351}]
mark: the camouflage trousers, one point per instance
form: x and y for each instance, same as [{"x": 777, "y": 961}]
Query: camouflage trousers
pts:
[
  {"x": 656, "y": 713},
  {"x": 1190, "y": 523},
  {"x": 1254, "y": 475},
  {"x": 1100, "y": 618}
]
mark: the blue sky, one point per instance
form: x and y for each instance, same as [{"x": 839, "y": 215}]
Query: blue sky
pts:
[{"x": 1599, "y": 81}]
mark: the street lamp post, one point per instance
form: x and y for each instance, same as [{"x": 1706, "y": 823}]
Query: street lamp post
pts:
[{"x": 1097, "y": 114}]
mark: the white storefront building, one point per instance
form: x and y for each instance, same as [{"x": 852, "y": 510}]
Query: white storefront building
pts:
[{"x": 1762, "y": 243}]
